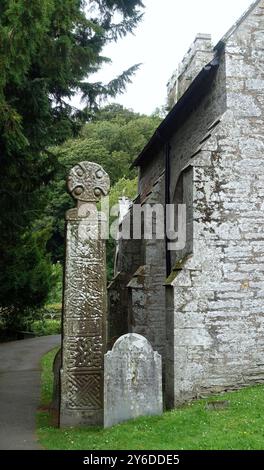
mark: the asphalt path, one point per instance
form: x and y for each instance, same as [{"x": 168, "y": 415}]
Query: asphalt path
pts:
[{"x": 20, "y": 374}]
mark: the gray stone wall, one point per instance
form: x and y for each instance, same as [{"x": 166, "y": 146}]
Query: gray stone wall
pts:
[
  {"x": 187, "y": 141},
  {"x": 217, "y": 294},
  {"x": 147, "y": 297},
  {"x": 137, "y": 293},
  {"x": 129, "y": 259},
  {"x": 149, "y": 173},
  {"x": 183, "y": 196},
  {"x": 147, "y": 314},
  {"x": 209, "y": 326}
]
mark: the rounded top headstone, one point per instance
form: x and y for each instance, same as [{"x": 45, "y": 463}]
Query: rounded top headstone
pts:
[
  {"x": 88, "y": 182},
  {"x": 132, "y": 341}
]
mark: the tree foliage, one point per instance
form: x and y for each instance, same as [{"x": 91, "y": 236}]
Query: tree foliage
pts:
[
  {"x": 113, "y": 139},
  {"x": 48, "y": 51}
]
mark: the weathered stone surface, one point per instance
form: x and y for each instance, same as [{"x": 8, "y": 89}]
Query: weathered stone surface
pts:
[
  {"x": 199, "y": 54},
  {"x": 212, "y": 323},
  {"x": 117, "y": 289},
  {"x": 146, "y": 308},
  {"x": 215, "y": 324},
  {"x": 84, "y": 312},
  {"x": 117, "y": 308},
  {"x": 133, "y": 380},
  {"x": 88, "y": 182}
]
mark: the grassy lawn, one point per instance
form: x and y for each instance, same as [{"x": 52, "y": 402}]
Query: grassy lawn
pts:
[{"x": 241, "y": 426}]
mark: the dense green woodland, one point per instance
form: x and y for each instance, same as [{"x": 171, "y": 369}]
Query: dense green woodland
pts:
[
  {"x": 113, "y": 138},
  {"x": 49, "y": 50}
]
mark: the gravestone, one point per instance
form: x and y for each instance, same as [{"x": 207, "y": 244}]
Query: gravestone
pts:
[
  {"x": 84, "y": 308},
  {"x": 132, "y": 380}
]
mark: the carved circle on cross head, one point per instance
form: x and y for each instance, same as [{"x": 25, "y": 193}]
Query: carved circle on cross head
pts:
[{"x": 88, "y": 182}]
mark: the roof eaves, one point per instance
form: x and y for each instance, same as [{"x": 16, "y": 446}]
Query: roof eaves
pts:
[{"x": 179, "y": 112}]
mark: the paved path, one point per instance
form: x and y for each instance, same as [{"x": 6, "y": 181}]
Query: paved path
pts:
[{"x": 20, "y": 390}]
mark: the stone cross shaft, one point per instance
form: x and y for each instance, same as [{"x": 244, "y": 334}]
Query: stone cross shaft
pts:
[{"x": 84, "y": 306}]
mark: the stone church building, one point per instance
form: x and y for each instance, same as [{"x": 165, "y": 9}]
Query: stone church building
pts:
[{"x": 202, "y": 307}]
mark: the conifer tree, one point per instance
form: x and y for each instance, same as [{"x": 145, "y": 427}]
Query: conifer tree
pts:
[{"x": 48, "y": 51}]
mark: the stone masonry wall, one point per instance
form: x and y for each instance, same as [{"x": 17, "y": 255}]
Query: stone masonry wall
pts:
[
  {"x": 149, "y": 173},
  {"x": 187, "y": 141},
  {"x": 147, "y": 297},
  {"x": 186, "y": 145},
  {"x": 217, "y": 295},
  {"x": 149, "y": 309},
  {"x": 130, "y": 257},
  {"x": 147, "y": 292}
]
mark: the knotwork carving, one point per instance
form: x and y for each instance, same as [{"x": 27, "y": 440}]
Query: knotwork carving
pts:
[
  {"x": 88, "y": 182},
  {"x": 84, "y": 318}
]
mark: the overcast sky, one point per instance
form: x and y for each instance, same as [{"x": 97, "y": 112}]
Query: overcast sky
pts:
[{"x": 163, "y": 37}]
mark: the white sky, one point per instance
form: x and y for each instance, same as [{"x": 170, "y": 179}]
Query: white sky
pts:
[{"x": 160, "y": 41}]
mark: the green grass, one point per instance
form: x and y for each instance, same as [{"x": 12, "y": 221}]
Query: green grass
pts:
[
  {"x": 47, "y": 377},
  {"x": 241, "y": 426}
]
